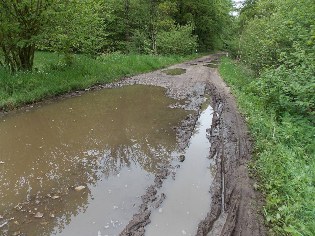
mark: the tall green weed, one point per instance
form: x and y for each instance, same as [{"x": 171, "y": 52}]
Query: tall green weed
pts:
[{"x": 284, "y": 147}]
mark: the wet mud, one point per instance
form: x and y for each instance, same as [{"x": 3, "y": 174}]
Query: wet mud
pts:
[
  {"x": 233, "y": 203},
  {"x": 235, "y": 207}
]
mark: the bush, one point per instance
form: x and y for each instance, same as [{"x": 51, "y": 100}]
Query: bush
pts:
[
  {"x": 140, "y": 43},
  {"x": 284, "y": 144},
  {"x": 288, "y": 90},
  {"x": 279, "y": 31},
  {"x": 178, "y": 40}
]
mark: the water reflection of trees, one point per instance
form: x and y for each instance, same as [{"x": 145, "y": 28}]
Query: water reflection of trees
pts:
[
  {"x": 82, "y": 145},
  {"x": 150, "y": 158}
]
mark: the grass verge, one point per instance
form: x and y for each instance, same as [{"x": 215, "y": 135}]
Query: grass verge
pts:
[
  {"x": 52, "y": 77},
  {"x": 284, "y": 161}
]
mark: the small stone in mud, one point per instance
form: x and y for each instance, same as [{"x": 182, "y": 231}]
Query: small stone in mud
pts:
[
  {"x": 2, "y": 162},
  {"x": 256, "y": 186},
  {"x": 39, "y": 215},
  {"x": 79, "y": 188},
  {"x": 3, "y": 224},
  {"x": 181, "y": 158}
]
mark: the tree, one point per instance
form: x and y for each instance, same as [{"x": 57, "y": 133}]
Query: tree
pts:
[
  {"x": 74, "y": 27},
  {"x": 177, "y": 40},
  {"x": 21, "y": 23},
  {"x": 55, "y": 25},
  {"x": 125, "y": 23},
  {"x": 277, "y": 31},
  {"x": 209, "y": 17}
]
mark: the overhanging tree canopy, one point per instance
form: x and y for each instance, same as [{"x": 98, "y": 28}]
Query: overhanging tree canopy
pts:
[{"x": 21, "y": 22}]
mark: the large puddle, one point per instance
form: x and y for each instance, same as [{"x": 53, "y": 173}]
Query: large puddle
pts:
[
  {"x": 79, "y": 166},
  {"x": 187, "y": 197}
]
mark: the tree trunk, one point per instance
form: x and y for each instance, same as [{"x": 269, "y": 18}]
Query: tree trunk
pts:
[
  {"x": 153, "y": 25},
  {"x": 127, "y": 23},
  {"x": 26, "y": 57},
  {"x": 19, "y": 59}
]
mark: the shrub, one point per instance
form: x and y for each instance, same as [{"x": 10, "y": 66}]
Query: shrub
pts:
[
  {"x": 178, "y": 40},
  {"x": 284, "y": 144},
  {"x": 288, "y": 90}
]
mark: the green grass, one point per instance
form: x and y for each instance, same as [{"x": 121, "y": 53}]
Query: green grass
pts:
[
  {"x": 284, "y": 161},
  {"x": 52, "y": 77}
]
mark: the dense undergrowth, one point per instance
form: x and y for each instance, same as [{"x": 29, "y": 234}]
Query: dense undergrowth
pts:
[
  {"x": 284, "y": 146},
  {"x": 52, "y": 76}
]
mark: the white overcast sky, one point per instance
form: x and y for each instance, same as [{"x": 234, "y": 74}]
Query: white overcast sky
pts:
[{"x": 238, "y": 4}]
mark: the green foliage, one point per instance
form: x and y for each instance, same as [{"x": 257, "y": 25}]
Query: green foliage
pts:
[
  {"x": 62, "y": 26},
  {"x": 21, "y": 22},
  {"x": 52, "y": 76},
  {"x": 96, "y": 26},
  {"x": 210, "y": 18},
  {"x": 74, "y": 28},
  {"x": 125, "y": 21},
  {"x": 288, "y": 91},
  {"x": 278, "y": 33},
  {"x": 166, "y": 10},
  {"x": 135, "y": 25},
  {"x": 178, "y": 40},
  {"x": 284, "y": 146},
  {"x": 277, "y": 41},
  {"x": 140, "y": 43}
]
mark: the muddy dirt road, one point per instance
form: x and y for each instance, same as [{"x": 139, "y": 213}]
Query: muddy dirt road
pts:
[
  {"x": 183, "y": 175},
  {"x": 234, "y": 207}
]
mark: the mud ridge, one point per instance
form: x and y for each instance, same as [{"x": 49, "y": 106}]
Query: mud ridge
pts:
[{"x": 235, "y": 203}]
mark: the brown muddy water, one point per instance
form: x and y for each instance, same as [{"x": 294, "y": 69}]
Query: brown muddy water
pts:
[
  {"x": 212, "y": 65},
  {"x": 187, "y": 197},
  {"x": 80, "y": 166}
]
